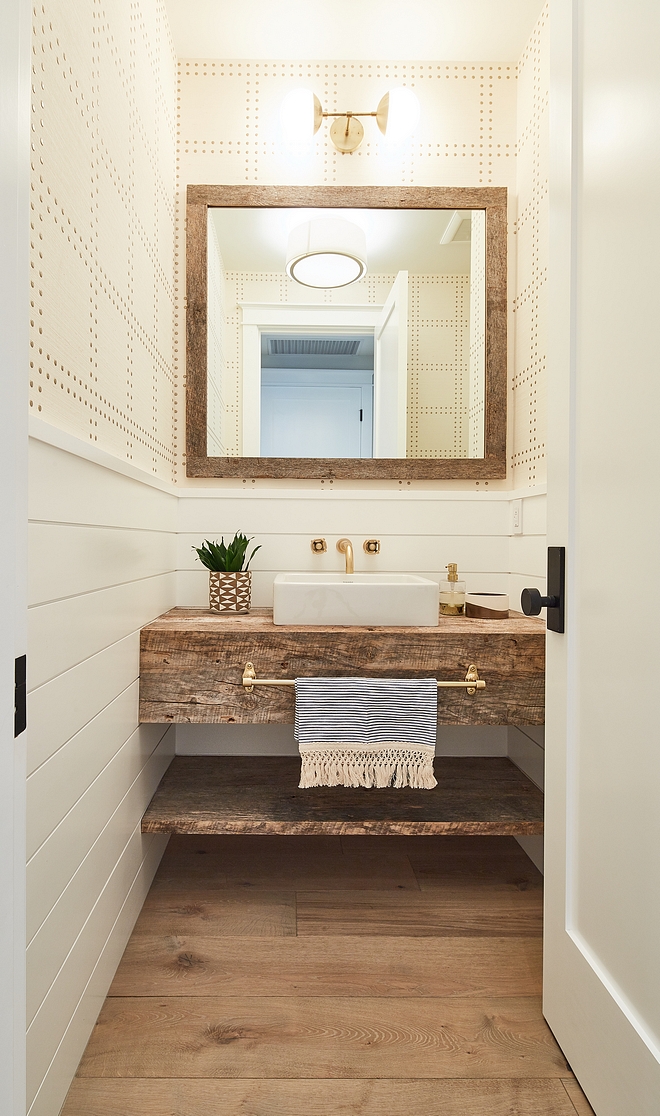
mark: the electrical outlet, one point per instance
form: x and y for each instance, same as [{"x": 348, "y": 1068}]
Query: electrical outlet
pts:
[{"x": 516, "y": 517}]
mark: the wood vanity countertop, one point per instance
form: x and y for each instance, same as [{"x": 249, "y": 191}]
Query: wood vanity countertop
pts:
[
  {"x": 192, "y": 662},
  {"x": 261, "y": 620}
]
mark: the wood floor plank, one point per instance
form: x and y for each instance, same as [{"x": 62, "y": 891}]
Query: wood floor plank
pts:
[
  {"x": 279, "y": 870},
  {"x": 328, "y": 1038},
  {"x": 579, "y": 1101},
  {"x": 448, "y": 913},
  {"x": 217, "y": 914},
  {"x": 462, "y": 869},
  {"x": 434, "y": 844},
  {"x": 192, "y": 965},
  {"x": 226, "y": 843},
  {"x": 94, "y": 1097}
]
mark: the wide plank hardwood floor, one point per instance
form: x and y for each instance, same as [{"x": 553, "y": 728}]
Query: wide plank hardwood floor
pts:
[{"x": 331, "y": 976}]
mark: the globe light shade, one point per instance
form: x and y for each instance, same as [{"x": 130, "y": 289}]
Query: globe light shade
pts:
[
  {"x": 398, "y": 114},
  {"x": 301, "y": 116},
  {"x": 327, "y": 252}
]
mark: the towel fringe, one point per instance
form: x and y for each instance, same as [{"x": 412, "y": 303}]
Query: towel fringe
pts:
[{"x": 335, "y": 765}]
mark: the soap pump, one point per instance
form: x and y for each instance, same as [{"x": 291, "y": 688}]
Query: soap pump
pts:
[{"x": 452, "y": 593}]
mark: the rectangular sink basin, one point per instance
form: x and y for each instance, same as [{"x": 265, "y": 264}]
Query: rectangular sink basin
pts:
[{"x": 355, "y": 599}]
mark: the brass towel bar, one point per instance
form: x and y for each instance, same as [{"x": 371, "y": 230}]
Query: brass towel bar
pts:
[{"x": 472, "y": 680}]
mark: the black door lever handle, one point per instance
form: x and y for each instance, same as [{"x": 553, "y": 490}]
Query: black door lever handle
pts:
[{"x": 532, "y": 602}]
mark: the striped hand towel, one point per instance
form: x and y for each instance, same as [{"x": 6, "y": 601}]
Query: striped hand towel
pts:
[{"x": 366, "y": 732}]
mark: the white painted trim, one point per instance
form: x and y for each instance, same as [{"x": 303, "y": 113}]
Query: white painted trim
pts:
[
  {"x": 313, "y": 316},
  {"x": 42, "y": 431},
  {"x": 15, "y": 18}
]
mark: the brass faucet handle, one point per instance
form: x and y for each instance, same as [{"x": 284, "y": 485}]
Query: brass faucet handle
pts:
[
  {"x": 319, "y": 546},
  {"x": 371, "y": 546}
]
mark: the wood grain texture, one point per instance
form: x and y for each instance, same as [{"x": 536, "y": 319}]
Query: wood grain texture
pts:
[
  {"x": 492, "y": 199},
  {"x": 580, "y": 1103},
  {"x": 104, "y": 1097},
  {"x": 191, "y": 964},
  {"x": 192, "y": 662},
  {"x": 298, "y": 1037},
  {"x": 242, "y": 913},
  {"x": 260, "y": 794},
  {"x": 353, "y": 872},
  {"x": 427, "y": 914}
]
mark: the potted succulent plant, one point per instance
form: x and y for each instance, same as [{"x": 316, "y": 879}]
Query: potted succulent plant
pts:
[{"x": 230, "y": 580}]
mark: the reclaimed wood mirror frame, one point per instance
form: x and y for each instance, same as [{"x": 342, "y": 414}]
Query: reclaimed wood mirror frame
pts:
[{"x": 491, "y": 199}]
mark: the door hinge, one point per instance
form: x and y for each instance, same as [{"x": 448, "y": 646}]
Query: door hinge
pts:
[
  {"x": 360, "y": 414},
  {"x": 20, "y": 695}
]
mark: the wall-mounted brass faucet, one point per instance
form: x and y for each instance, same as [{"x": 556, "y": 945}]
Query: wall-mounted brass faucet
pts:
[{"x": 345, "y": 546}]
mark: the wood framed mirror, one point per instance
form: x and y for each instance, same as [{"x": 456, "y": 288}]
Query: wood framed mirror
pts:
[{"x": 401, "y": 372}]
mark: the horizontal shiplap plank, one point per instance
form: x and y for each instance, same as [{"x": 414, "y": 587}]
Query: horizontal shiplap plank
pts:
[
  {"x": 61, "y": 707},
  {"x": 528, "y": 554},
  {"x": 66, "y": 560},
  {"x": 59, "y": 1034},
  {"x": 66, "y": 488},
  {"x": 53, "y": 865},
  {"x": 412, "y": 553},
  {"x": 534, "y": 520},
  {"x": 66, "y": 632},
  {"x": 56, "y": 786},
  {"x": 57, "y": 934},
  {"x": 193, "y": 585},
  {"x": 341, "y": 516}
]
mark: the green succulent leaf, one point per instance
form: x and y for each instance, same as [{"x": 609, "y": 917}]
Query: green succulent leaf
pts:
[{"x": 228, "y": 559}]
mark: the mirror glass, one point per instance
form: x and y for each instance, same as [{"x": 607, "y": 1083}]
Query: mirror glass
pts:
[{"x": 346, "y": 333}]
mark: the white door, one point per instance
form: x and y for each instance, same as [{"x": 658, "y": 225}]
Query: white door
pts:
[
  {"x": 602, "y": 948},
  {"x": 14, "y": 303},
  {"x": 391, "y": 372}
]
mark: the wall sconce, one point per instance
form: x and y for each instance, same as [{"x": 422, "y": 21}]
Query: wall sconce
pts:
[{"x": 302, "y": 114}]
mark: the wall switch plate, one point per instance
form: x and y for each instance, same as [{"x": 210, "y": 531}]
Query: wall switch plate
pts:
[{"x": 516, "y": 517}]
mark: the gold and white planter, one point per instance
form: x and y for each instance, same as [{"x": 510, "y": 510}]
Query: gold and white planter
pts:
[{"x": 230, "y": 592}]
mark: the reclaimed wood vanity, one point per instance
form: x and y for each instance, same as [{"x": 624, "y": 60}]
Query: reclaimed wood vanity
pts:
[
  {"x": 192, "y": 663},
  {"x": 192, "y": 668}
]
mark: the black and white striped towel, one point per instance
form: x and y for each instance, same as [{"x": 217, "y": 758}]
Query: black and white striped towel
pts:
[{"x": 366, "y": 731}]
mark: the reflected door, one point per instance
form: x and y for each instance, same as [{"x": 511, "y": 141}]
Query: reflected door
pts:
[{"x": 314, "y": 414}]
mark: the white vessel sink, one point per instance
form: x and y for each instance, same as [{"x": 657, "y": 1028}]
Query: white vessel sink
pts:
[{"x": 363, "y": 598}]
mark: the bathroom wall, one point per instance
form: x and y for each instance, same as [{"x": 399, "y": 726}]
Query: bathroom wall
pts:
[
  {"x": 102, "y": 227},
  {"x": 102, "y": 542},
  {"x": 102, "y": 552}
]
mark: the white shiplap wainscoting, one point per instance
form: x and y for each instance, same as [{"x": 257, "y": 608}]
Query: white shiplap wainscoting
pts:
[{"x": 102, "y": 553}]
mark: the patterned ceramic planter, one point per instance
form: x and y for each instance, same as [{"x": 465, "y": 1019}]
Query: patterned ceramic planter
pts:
[{"x": 230, "y": 592}]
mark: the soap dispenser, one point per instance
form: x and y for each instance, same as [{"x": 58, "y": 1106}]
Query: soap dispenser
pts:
[{"x": 452, "y": 593}]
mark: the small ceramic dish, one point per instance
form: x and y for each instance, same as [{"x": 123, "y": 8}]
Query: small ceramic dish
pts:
[{"x": 487, "y": 606}]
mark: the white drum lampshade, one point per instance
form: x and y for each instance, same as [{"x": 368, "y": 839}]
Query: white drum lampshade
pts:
[{"x": 327, "y": 252}]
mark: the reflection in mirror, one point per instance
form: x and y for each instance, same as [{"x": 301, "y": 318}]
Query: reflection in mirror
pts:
[{"x": 346, "y": 333}]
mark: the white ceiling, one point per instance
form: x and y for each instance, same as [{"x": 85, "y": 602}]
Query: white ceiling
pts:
[
  {"x": 343, "y": 30},
  {"x": 397, "y": 239}
]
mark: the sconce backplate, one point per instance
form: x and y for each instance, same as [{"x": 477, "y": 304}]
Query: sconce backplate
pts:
[{"x": 346, "y": 133}]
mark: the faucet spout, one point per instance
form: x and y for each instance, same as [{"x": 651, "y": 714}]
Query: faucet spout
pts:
[{"x": 345, "y": 546}]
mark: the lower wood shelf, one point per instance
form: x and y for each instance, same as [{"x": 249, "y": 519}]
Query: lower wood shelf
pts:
[{"x": 260, "y": 794}]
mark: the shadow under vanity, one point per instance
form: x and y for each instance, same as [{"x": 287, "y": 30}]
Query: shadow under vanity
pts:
[{"x": 192, "y": 668}]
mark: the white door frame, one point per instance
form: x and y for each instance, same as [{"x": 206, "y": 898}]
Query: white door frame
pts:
[
  {"x": 15, "y": 22},
  {"x": 602, "y": 332},
  {"x": 275, "y": 317}
]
